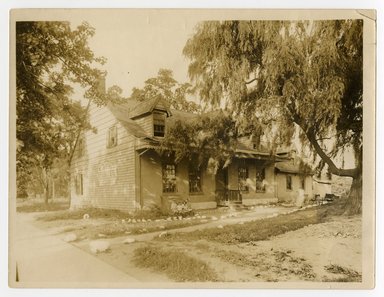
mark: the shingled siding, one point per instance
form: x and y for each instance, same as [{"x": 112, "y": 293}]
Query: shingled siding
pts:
[
  {"x": 288, "y": 195},
  {"x": 146, "y": 122},
  {"x": 108, "y": 173}
]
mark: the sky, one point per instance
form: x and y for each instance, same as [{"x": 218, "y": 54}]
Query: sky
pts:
[{"x": 137, "y": 44}]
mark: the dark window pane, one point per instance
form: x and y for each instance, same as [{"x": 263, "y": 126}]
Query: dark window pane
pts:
[
  {"x": 169, "y": 178},
  {"x": 243, "y": 176},
  {"x": 260, "y": 177},
  {"x": 194, "y": 179},
  {"x": 289, "y": 182}
]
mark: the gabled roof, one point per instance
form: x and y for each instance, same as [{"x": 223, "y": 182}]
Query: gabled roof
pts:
[
  {"x": 121, "y": 112},
  {"x": 148, "y": 106},
  {"x": 291, "y": 167}
]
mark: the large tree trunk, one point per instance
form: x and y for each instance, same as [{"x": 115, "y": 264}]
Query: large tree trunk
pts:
[
  {"x": 48, "y": 186},
  {"x": 354, "y": 201}
]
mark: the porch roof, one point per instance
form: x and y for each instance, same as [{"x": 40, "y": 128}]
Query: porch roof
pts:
[
  {"x": 253, "y": 154},
  {"x": 290, "y": 167},
  {"x": 150, "y": 143}
]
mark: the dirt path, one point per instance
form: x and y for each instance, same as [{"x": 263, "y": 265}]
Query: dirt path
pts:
[{"x": 45, "y": 260}]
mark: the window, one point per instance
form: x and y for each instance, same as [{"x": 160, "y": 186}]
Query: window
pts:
[
  {"x": 194, "y": 179},
  {"x": 243, "y": 176},
  {"x": 158, "y": 124},
  {"x": 169, "y": 178},
  {"x": 112, "y": 137},
  {"x": 79, "y": 184},
  {"x": 302, "y": 182},
  {"x": 80, "y": 147},
  {"x": 289, "y": 182},
  {"x": 260, "y": 177}
]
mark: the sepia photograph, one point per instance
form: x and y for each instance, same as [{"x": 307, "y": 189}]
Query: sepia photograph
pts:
[{"x": 192, "y": 148}]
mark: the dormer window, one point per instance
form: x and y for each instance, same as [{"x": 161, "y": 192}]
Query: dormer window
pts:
[
  {"x": 158, "y": 124},
  {"x": 112, "y": 137}
]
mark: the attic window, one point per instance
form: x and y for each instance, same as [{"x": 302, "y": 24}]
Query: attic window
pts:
[
  {"x": 158, "y": 124},
  {"x": 112, "y": 137}
]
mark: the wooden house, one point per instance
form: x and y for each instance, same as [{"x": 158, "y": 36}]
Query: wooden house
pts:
[{"x": 116, "y": 166}]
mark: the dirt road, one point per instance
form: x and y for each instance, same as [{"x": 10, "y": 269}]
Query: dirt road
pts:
[{"x": 45, "y": 260}]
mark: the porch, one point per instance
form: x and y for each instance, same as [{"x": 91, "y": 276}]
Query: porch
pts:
[{"x": 225, "y": 197}]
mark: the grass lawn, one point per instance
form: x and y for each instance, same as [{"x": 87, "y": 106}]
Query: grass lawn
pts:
[
  {"x": 175, "y": 264},
  {"x": 256, "y": 230},
  {"x": 38, "y": 205},
  {"x": 97, "y": 213}
]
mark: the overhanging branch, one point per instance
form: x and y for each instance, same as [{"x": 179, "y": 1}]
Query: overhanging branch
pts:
[{"x": 331, "y": 165}]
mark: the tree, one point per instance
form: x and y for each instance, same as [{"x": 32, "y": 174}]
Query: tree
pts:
[
  {"x": 50, "y": 56},
  {"x": 166, "y": 87},
  {"x": 278, "y": 75},
  {"x": 209, "y": 139}
]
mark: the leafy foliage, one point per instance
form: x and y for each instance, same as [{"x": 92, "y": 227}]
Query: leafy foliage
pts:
[
  {"x": 166, "y": 87},
  {"x": 209, "y": 139},
  {"x": 316, "y": 81},
  {"x": 276, "y": 75},
  {"x": 50, "y": 56}
]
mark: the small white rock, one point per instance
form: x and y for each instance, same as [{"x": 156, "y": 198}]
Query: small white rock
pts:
[
  {"x": 169, "y": 219},
  {"x": 86, "y": 216},
  {"x": 220, "y": 227},
  {"x": 162, "y": 234},
  {"x": 161, "y": 227},
  {"x": 101, "y": 235},
  {"x": 203, "y": 217},
  {"x": 129, "y": 240},
  {"x": 133, "y": 221},
  {"x": 180, "y": 217},
  {"x": 99, "y": 246},
  {"x": 123, "y": 221},
  {"x": 214, "y": 219},
  {"x": 70, "y": 237}
]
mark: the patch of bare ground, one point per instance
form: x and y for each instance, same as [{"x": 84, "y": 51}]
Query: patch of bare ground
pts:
[
  {"x": 337, "y": 242},
  {"x": 323, "y": 252}
]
